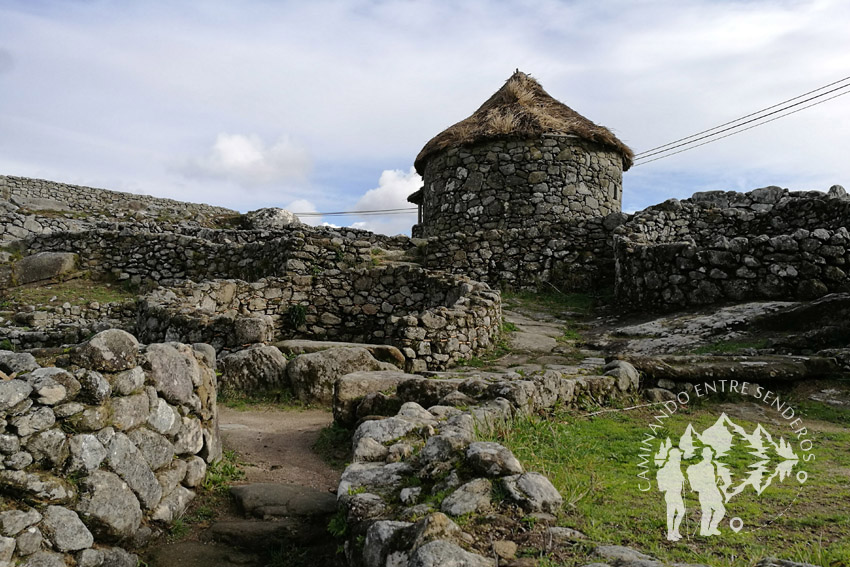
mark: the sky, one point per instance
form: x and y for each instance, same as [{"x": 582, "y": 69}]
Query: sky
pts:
[{"x": 323, "y": 106}]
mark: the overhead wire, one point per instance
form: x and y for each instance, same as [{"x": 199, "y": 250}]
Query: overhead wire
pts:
[
  {"x": 742, "y": 130},
  {"x": 637, "y": 155},
  {"x": 687, "y": 143}
]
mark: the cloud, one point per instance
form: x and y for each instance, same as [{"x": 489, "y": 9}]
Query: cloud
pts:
[
  {"x": 394, "y": 186},
  {"x": 6, "y": 61},
  {"x": 304, "y": 206},
  {"x": 247, "y": 161}
]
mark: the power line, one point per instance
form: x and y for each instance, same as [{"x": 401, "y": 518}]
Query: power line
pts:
[
  {"x": 743, "y": 130},
  {"x": 660, "y": 151},
  {"x": 405, "y": 211},
  {"x": 742, "y": 117},
  {"x": 648, "y": 153}
]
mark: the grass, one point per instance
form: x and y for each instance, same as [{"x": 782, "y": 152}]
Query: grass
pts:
[
  {"x": 80, "y": 291},
  {"x": 334, "y": 445},
  {"x": 551, "y": 301},
  {"x": 223, "y": 473},
  {"x": 240, "y": 401},
  {"x": 593, "y": 463}
]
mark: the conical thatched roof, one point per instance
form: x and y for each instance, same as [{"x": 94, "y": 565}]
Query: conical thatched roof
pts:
[{"x": 521, "y": 109}]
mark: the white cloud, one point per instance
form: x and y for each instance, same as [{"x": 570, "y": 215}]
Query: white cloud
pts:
[
  {"x": 247, "y": 161},
  {"x": 394, "y": 186},
  {"x": 362, "y": 85},
  {"x": 304, "y": 206}
]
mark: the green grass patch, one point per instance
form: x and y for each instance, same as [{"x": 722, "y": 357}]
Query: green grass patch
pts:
[
  {"x": 550, "y": 301},
  {"x": 280, "y": 399},
  {"x": 334, "y": 445},
  {"x": 225, "y": 472},
  {"x": 593, "y": 462},
  {"x": 730, "y": 347},
  {"x": 77, "y": 292}
]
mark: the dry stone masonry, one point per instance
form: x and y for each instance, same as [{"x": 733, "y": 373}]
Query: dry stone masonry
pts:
[
  {"x": 416, "y": 470},
  {"x": 515, "y": 184},
  {"x": 725, "y": 246},
  {"x": 433, "y": 319},
  {"x": 104, "y": 450}
]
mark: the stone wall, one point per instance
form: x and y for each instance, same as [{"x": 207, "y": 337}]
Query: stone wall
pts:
[
  {"x": 40, "y": 194},
  {"x": 103, "y": 451},
  {"x": 575, "y": 256},
  {"x": 200, "y": 254},
  {"x": 512, "y": 184},
  {"x": 724, "y": 246},
  {"x": 415, "y": 471},
  {"x": 431, "y": 317},
  {"x": 66, "y": 324}
]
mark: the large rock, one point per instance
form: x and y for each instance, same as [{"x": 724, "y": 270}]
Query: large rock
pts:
[
  {"x": 441, "y": 553},
  {"x": 87, "y": 452},
  {"x": 492, "y": 459},
  {"x": 533, "y": 492},
  {"x": 474, "y": 496},
  {"x": 37, "y": 486},
  {"x": 255, "y": 369},
  {"x": 376, "y": 478},
  {"x": 112, "y": 350},
  {"x": 156, "y": 449},
  {"x": 65, "y": 530},
  {"x": 17, "y": 362},
  {"x": 130, "y": 411},
  {"x": 268, "y": 500},
  {"x": 351, "y": 389},
  {"x": 174, "y": 505},
  {"x": 313, "y": 375},
  {"x": 43, "y": 266},
  {"x": 48, "y": 385},
  {"x": 384, "y": 353},
  {"x": 752, "y": 369},
  {"x": 271, "y": 218},
  {"x": 173, "y": 370},
  {"x": 253, "y": 329},
  {"x": 109, "y": 507},
  {"x": 13, "y": 522},
  {"x": 49, "y": 447},
  {"x": 129, "y": 463},
  {"x": 13, "y": 392}
]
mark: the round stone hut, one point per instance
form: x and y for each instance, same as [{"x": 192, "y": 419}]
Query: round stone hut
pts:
[{"x": 520, "y": 160}]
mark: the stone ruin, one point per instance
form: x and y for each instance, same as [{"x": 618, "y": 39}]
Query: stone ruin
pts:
[{"x": 365, "y": 323}]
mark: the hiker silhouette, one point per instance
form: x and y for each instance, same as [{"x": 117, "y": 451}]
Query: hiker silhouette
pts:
[
  {"x": 703, "y": 481},
  {"x": 671, "y": 482}
]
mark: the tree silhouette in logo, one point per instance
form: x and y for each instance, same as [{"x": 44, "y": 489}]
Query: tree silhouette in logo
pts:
[{"x": 709, "y": 477}]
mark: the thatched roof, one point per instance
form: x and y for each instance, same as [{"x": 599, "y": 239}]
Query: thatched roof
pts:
[{"x": 521, "y": 109}]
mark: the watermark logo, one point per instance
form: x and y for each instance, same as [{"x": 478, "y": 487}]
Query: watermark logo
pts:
[{"x": 699, "y": 461}]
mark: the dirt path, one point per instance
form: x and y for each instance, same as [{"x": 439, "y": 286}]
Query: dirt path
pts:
[{"x": 277, "y": 445}]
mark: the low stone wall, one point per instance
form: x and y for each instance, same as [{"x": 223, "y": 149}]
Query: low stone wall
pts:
[
  {"x": 66, "y": 324},
  {"x": 41, "y": 194},
  {"x": 168, "y": 257},
  {"x": 715, "y": 247},
  {"x": 576, "y": 256},
  {"x": 415, "y": 470},
  {"x": 104, "y": 451},
  {"x": 433, "y": 318}
]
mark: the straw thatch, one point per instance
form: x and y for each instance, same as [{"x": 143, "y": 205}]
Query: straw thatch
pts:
[{"x": 521, "y": 109}]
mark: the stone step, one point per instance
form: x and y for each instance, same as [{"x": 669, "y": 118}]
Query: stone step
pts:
[
  {"x": 263, "y": 535},
  {"x": 197, "y": 554},
  {"x": 270, "y": 500}
]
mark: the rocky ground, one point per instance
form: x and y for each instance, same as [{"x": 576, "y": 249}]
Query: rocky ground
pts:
[{"x": 279, "y": 511}]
